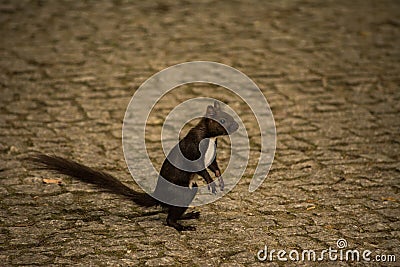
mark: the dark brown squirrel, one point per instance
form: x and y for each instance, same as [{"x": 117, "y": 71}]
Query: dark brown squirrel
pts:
[{"x": 175, "y": 184}]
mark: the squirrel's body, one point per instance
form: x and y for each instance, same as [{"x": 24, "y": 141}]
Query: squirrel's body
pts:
[{"x": 175, "y": 188}]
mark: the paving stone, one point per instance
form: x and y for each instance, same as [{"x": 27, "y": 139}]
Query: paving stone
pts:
[{"x": 329, "y": 70}]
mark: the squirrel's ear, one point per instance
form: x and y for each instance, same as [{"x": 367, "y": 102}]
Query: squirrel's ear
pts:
[
  {"x": 217, "y": 106},
  {"x": 210, "y": 111}
]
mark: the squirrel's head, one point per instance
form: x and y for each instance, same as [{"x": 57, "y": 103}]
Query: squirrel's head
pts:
[{"x": 219, "y": 122}]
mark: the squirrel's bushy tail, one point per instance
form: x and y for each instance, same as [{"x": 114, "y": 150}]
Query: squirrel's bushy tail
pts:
[{"x": 91, "y": 176}]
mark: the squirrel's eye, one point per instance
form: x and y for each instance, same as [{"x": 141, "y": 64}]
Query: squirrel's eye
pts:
[{"x": 222, "y": 121}]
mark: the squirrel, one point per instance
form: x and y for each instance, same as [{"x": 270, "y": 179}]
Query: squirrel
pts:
[{"x": 192, "y": 155}]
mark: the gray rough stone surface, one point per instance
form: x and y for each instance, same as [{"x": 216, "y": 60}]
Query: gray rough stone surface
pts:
[{"x": 329, "y": 69}]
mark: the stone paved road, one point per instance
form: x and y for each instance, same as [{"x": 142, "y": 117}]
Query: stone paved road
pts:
[{"x": 329, "y": 69}]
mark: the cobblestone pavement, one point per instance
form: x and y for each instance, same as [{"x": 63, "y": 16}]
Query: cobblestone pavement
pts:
[{"x": 329, "y": 69}]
